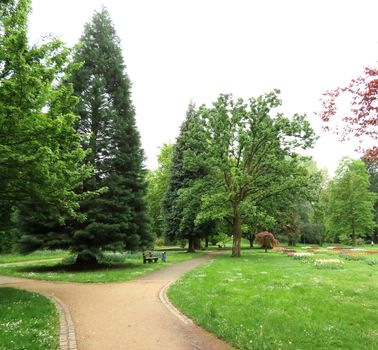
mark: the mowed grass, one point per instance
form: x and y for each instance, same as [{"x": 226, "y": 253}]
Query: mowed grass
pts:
[
  {"x": 272, "y": 301},
  {"x": 37, "y": 255},
  {"x": 27, "y": 321},
  {"x": 115, "y": 268}
]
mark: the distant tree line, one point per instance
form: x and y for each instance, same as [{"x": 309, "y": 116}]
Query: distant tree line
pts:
[{"x": 236, "y": 171}]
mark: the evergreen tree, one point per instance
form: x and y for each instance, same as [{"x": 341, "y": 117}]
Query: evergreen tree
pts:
[
  {"x": 116, "y": 219},
  {"x": 182, "y": 202}
]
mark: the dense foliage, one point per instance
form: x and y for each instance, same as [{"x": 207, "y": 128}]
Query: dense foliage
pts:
[
  {"x": 361, "y": 121},
  {"x": 116, "y": 219},
  {"x": 266, "y": 240},
  {"x": 182, "y": 203},
  {"x": 40, "y": 153},
  {"x": 250, "y": 156},
  {"x": 157, "y": 187},
  {"x": 351, "y": 203},
  {"x": 71, "y": 159}
]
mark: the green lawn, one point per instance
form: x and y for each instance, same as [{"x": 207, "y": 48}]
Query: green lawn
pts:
[
  {"x": 115, "y": 268},
  {"x": 37, "y": 255},
  {"x": 273, "y": 301},
  {"x": 27, "y": 321}
]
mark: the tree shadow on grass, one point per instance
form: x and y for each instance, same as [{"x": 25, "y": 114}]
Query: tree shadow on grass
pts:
[{"x": 77, "y": 268}]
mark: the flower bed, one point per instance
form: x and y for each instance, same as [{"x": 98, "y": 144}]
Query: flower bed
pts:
[
  {"x": 279, "y": 249},
  {"x": 353, "y": 255},
  {"x": 372, "y": 251},
  {"x": 328, "y": 264}
]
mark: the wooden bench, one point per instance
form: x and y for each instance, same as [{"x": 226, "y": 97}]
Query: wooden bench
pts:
[{"x": 149, "y": 257}]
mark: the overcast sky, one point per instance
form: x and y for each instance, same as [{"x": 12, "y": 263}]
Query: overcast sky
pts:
[{"x": 177, "y": 51}]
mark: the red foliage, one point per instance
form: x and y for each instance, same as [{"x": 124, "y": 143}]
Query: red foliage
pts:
[
  {"x": 362, "y": 121},
  {"x": 266, "y": 240}
]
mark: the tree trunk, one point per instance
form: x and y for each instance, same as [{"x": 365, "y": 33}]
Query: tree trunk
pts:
[
  {"x": 85, "y": 260},
  {"x": 191, "y": 245},
  {"x": 197, "y": 243},
  {"x": 206, "y": 242},
  {"x": 237, "y": 235},
  {"x": 251, "y": 239}
]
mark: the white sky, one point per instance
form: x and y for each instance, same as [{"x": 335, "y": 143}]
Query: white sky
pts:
[{"x": 177, "y": 51}]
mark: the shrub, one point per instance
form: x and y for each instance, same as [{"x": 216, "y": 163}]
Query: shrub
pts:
[
  {"x": 159, "y": 242},
  {"x": 266, "y": 240},
  {"x": 112, "y": 258},
  {"x": 345, "y": 239},
  {"x": 360, "y": 241},
  {"x": 372, "y": 261}
]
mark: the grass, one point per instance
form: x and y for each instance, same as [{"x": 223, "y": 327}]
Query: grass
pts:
[
  {"x": 27, "y": 321},
  {"x": 115, "y": 268},
  {"x": 37, "y": 255},
  {"x": 272, "y": 301}
]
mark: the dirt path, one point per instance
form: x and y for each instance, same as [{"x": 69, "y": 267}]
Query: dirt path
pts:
[{"x": 129, "y": 315}]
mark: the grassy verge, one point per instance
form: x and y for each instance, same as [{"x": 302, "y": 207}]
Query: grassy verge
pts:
[
  {"x": 27, "y": 321},
  {"x": 37, "y": 255},
  {"x": 273, "y": 301},
  {"x": 114, "y": 269}
]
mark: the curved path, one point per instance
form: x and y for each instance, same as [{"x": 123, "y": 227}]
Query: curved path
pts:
[{"x": 132, "y": 315}]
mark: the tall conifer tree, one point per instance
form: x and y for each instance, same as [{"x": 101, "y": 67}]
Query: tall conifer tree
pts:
[
  {"x": 116, "y": 219},
  {"x": 182, "y": 202}
]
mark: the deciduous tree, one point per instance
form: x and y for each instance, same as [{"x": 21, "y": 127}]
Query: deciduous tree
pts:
[
  {"x": 362, "y": 119},
  {"x": 40, "y": 152},
  {"x": 252, "y": 156},
  {"x": 351, "y": 210},
  {"x": 157, "y": 187}
]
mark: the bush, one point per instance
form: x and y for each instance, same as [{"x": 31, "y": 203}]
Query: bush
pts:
[
  {"x": 312, "y": 233},
  {"x": 372, "y": 261},
  {"x": 345, "y": 239},
  {"x": 266, "y": 240},
  {"x": 360, "y": 241},
  {"x": 159, "y": 242},
  {"x": 8, "y": 241}
]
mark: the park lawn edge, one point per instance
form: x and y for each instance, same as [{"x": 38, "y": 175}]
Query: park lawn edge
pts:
[
  {"x": 28, "y": 318},
  {"x": 111, "y": 273},
  {"x": 203, "y": 304}
]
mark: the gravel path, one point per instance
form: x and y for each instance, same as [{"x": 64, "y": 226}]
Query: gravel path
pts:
[{"x": 132, "y": 315}]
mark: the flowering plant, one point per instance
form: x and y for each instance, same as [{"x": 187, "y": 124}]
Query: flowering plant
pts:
[{"x": 328, "y": 264}]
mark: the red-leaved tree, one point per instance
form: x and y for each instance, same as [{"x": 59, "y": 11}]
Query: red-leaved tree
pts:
[
  {"x": 266, "y": 240},
  {"x": 362, "y": 120}
]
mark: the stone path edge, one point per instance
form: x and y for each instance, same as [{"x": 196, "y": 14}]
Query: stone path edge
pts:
[
  {"x": 67, "y": 336},
  {"x": 164, "y": 299}
]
